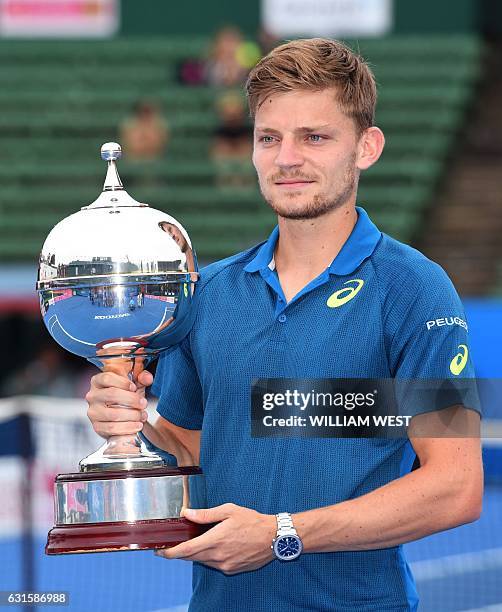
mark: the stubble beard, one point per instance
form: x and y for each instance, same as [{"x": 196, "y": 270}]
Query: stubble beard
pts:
[{"x": 321, "y": 203}]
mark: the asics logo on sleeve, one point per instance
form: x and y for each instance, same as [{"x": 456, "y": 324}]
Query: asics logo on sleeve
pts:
[
  {"x": 342, "y": 296},
  {"x": 457, "y": 364}
]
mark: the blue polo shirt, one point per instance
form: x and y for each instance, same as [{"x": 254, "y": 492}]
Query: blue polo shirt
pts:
[{"x": 368, "y": 315}]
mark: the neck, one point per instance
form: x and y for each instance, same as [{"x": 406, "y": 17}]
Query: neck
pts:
[{"x": 309, "y": 246}]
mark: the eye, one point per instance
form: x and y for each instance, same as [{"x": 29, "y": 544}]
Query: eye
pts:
[
  {"x": 266, "y": 139},
  {"x": 315, "y": 138}
]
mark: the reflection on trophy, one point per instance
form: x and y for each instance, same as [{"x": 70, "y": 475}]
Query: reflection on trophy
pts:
[{"x": 116, "y": 284}]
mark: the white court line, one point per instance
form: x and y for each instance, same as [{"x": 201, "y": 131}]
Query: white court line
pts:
[
  {"x": 69, "y": 335},
  {"x": 182, "y": 608},
  {"x": 162, "y": 321},
  {"x": 493, "y": 608},
  {"x": 455, "y": 565}
]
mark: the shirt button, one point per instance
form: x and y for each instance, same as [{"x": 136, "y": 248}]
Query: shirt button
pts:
[{"x": 282, "y": 318}]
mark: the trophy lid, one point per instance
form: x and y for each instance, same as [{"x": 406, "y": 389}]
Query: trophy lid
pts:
[{"x": 114, "y": 238}]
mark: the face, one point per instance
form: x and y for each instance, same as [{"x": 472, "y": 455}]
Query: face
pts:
[
  {"x": 306, "y": 153},
  {"x": 175, "y": 234}
]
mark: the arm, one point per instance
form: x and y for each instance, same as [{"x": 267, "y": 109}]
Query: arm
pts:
[
  {"x": 446, "y": 491},
  {"x": 183, "y": 443}
]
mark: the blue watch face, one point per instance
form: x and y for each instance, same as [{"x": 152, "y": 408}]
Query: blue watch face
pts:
[{"x": 288, "y": 547}]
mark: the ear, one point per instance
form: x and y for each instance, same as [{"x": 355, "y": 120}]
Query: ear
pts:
[{"x": 370, "y": 147}]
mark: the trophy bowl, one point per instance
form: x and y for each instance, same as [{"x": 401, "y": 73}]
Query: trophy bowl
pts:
[{"x": 117, "y": 285}]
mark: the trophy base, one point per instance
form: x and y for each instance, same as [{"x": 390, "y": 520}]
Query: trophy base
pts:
[
  {"x": 125, "y": 510},
  {"x": 113, "y": 537}
]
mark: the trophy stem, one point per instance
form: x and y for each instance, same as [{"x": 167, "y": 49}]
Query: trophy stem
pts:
[{"x": 122, "y": 452}]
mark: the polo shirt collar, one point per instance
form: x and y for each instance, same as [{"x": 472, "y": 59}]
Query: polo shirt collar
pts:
[{"x": 359, "y": 246}]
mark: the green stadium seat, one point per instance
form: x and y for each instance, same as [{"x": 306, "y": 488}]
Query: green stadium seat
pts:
[{"x": 60, "y": 100}]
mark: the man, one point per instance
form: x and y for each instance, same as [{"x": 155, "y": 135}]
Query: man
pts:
[
  {"x": 177, "y": 235},
  {"x": 327, "y": 296}
]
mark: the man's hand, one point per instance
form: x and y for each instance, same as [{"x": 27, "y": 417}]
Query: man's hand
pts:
[
  {"x": 240, "y": 542},
  {"x": 117, "y": 406}
]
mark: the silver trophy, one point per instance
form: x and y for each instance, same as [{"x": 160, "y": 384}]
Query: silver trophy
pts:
[{"x": 117, "y": 285}]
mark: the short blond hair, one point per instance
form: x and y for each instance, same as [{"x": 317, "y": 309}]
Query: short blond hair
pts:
[{"x": 316, "y": 64}]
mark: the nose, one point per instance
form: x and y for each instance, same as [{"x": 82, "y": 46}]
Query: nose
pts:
[{"x": 289, "y": 154}]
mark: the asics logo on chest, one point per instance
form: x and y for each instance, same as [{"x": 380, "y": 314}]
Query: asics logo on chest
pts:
[{"x": 342, "y": 296}]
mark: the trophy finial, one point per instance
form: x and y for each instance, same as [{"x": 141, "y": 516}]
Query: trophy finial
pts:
[{"x": 110, "y": 152}]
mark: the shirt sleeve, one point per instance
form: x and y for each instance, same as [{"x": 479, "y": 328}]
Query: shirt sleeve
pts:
[
  {"x": 429, "y": 344},
  {"x": 178, "y": 388}
]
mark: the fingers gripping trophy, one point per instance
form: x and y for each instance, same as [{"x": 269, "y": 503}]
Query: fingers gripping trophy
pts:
[{"x": 117, "y": 282}]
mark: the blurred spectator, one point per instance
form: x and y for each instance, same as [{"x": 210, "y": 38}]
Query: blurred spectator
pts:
[
  {"x": 144, "y": 135},
  {"x": 232, "y": 138},
  {"x": 222, "y": 67},
  {"x": 230, "y": 58},
  {"x": 192, "y": 71},
  {"x": 232, "y": 144}
]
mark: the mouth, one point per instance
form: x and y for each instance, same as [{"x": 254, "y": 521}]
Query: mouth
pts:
[{"x": 293, "y": 183}]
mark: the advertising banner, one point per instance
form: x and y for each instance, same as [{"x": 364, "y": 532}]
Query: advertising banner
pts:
[
  {"x": 59, "y": 18},
  {"x": 285, "y": 18}
]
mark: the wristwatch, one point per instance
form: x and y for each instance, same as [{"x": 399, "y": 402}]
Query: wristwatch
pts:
[{"x": 286, "y": 544}]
